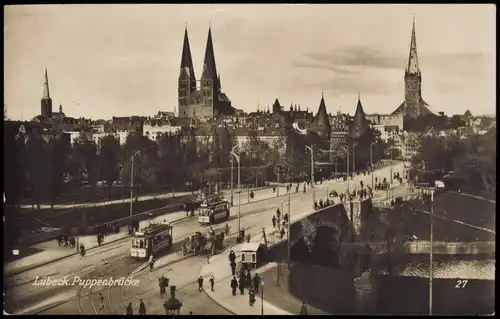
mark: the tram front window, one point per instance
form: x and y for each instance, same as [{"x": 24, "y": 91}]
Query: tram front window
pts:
[{"x": 204, "y": 212}]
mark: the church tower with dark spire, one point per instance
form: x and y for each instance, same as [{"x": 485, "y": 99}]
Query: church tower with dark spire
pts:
[
  {"x": 413, "y": 105},
  {"x": 187, "y": 78},
  {"x": 413, "y": 79},
  {"x": 209, "y": 79},
  {"x": 46, "y": 102}
]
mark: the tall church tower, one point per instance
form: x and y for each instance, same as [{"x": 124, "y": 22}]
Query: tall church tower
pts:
[
  {"x": 187, "y": 78},
  {"x": 413, "y": 80},
  {"x": 209, "y": 81},
  {"x": 46, "y": 101}
]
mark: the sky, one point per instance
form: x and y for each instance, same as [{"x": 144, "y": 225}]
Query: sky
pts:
[{"x": 122, "y": 60}]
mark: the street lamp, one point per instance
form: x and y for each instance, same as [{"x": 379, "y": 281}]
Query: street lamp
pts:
[
  {"x": 132, "y": 188},
  {"x": 310, "y": 148},
  {"x": 354, "y": 157},
  {"x": 430, "y": 191},
  {"x": 262, "y": 297},
  {"x": 237, "y": 157},
  {"x": 289, "y": 233},
  {"x": 232, "y": 175},
  {"x": 173, "y": 305},
  {"x": 371, "y": 160}
]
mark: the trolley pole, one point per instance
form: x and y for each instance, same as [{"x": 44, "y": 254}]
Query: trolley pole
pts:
[{"x": 132, "y": 160}]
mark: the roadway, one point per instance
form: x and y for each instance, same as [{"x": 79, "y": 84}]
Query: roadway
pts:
[{"x": 21, "y": 293}]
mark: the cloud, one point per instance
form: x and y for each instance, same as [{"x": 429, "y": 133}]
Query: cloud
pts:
[
  {"x": 357, "y": 56},
  {"x": 352, "y": 84},
  {"x": 336, "y": 69}
]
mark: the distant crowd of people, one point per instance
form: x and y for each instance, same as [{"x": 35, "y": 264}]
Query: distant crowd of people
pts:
[
  {"x": 105, "y": 230},
  {"x": 66, "y": 240}
]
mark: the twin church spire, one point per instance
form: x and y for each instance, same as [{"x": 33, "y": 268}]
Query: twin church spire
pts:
[
  {"x": 209, "y": 67},
  {"x": 413, "y": 67}
]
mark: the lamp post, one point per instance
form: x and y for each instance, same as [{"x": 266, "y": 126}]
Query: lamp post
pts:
[
  {"x": 237, "y": 157},
  {"x": 232, "y": 178},
  {"x": 371, "y": 160},
  {"x": 354, "y": 157},
  {"x": 132, "y": 159},
  {"x": 431, "y": 251},
  {"x": 173, "y": 305},
  {"x": 262, "y": 297},
  {"x": 310, "y": 148},
  {"x": 289, "y": 233}
]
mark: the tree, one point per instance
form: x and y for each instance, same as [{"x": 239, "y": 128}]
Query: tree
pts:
[
  {"x": 170, "y": 165},
  {"x": 145, "y": 161},
  {"x": 251, "y": 149},
  {"x": 295, "y": 154},
  {"x": 85, "y": 161},
  {"x": 109, "y": 157},
  {"x": 215, "y": 150},
  {"x": 58, "y": 150},
  {"x": 39, "y": 176}
]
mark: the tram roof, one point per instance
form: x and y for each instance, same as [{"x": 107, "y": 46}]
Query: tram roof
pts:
[{"x": 153, "y": 229}]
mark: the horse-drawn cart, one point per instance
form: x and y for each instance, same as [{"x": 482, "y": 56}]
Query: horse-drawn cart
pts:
[{"x": 198, "y": 244}]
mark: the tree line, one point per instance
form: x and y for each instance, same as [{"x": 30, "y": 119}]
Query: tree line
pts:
[{"x": 472, "y": 158}]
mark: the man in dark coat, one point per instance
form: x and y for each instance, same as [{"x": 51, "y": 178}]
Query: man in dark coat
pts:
[
  {"x": 256, "y": 283},
  {"x": 241, "y": 285},
  {"x": 232, "y": 256},
  {"x": 234, "y": 285},
  {"x": 233, "y": 268},
  {"x": 200, "y": 283},
  {"x": 129, "y": 310},
  {"x": 142, "y": 308},
  {"x": 274, "y": 221},
  {"x": 249, "y": 279}
]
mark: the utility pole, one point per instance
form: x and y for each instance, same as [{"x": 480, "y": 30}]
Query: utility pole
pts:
[
  {"x": 237, "y": 157},
  {"x": 289, "y": 233},
  {"x": 132, "y": 188},
  {"x": 311, "y": 149},
  {"x": 232, "y": 178},
  {"x": 371, "y": 161},
  {"x": 278, "y": 168}
]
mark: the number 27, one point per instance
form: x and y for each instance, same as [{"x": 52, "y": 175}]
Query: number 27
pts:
[{"x": 461, "y": 283}]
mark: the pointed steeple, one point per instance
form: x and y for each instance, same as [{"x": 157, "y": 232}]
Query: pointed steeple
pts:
[
  {"x": 187, "y": 61},
  {"x": 360, "y": 123},
  {"x": 321, "y": 120},
  {"x": 218, "y": 82},
  {"x": 412, "y": 67},
  {"x": 46, "y": 92},
  {"x": 209, "y": 67},
  {"x": 60, "y": 108}
]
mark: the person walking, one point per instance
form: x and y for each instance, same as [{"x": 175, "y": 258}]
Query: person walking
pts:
[
  {"x": 161, "y": 284},
  {"x": 151, "y": 262},
  {"x": 233, "y": 268},
  {"x": 212, "y": 282},
  {"x": 303, "y": 309},
  {"x": 142, "y": 308},
  {"x": 248, "y": 278},
  {"x": 241, "y": 285},
  {"x": 234, "y": 285},
  {"x": 251, "y": 296},
  {"x": 256, "y": 283},
  {"x": 82, "y": 251},
  {"x": 274, "y": 221},
  {"x": 227, "y": 230},
  {"x": 99, "y": 239},
  {"x": 129, "y": 310},
  {"x": 101, "y": 301},
  {"x": 200, "y": 283}
]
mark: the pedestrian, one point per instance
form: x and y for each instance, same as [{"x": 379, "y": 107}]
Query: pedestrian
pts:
[
  {"x": 251, "y": 296},
  {"x": 161, "y": 284},
  {"x": 274, "y": 221},
  {"x": 248, "y": 238},
  {"x": 82, "y": 251},
  {"x": 129, "y": 310},
  {"x": 303, "y": 309},
  {"x": 241, "y": 285},
  {"x": 234, "y": 285},
  {"x": 190, "y": 313},
  {"x": 233, "y": 267},
  {"x": 249, "y": 279},
  {"x": 142, "y": 308},
  {"x": 212, "y": 282},
  {"x": 200, "y": 284},
  {"x": 99, "y": 240},
  {"x": 283, "y": 224},
  {"x": 232, "y": 256},
  {"x": 285, "y": 218},
  {"x": 282, "y": 233},
  {"x": 278, "y": 213},
  {"x": 227, "y": 230},
  {"x": 59, "y": 240},
  {"x": 101, "y": 300},
  {"x": 72, "y": 242},
  {"x": 256, "y": 283},
  {"x": 151, "y": 262}
]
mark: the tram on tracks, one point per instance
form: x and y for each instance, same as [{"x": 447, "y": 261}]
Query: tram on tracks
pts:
[
  {"x": 213, "y": 209},
  {"x": 150, "y": 240}
]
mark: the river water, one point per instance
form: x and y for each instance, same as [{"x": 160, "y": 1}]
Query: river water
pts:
[{"x": 461, "y": 285}]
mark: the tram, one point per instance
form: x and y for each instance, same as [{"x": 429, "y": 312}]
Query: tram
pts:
[
  {"x": 150, "y": 240},
  {"x": 213, "y": 209}
]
